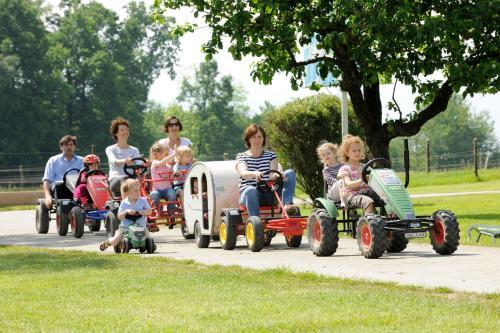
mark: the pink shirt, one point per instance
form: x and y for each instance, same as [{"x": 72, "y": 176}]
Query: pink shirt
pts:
[
  {"x": 354, "y": 174},
  {"x": 158, "y": 172}
]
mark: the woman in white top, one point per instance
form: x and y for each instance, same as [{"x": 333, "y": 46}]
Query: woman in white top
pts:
[
  {"x": 173, "y": 127},
  {"x": 119, "y": 154}
]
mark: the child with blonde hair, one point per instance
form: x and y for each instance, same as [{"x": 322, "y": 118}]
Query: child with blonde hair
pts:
[
  {"x": 161, "y": 172},
  {"x": 184, "y": 161},
  {"x": 355, "y": 192},
  {"x": 327, "y": 153},
  {"x": 133, "y": 210}
]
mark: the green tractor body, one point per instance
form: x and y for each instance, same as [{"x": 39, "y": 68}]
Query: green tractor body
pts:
[{"x": 136, "y": 236}]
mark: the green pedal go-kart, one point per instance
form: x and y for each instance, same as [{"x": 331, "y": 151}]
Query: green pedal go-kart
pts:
[
  {"x": 135, "y": 238},
  {"x": 389, "y": 229}
]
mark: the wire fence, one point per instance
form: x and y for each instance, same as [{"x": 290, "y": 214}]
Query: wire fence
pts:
[{"x": 30, "y": 176}]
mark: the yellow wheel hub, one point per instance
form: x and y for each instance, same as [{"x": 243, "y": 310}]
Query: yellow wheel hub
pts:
[
  {"x": 222, "y": 232},
  {"x": 250, "y": 234}
]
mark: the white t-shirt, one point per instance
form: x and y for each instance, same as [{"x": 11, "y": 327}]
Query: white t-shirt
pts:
[
  {"x": 184, "y": 142},
  {"x": 114, "y": 153}
]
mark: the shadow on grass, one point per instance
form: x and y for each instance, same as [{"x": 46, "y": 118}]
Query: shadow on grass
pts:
[{"x": 21, "y": 260}]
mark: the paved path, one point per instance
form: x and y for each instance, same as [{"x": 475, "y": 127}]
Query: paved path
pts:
[{"x": 471, "y": 268}]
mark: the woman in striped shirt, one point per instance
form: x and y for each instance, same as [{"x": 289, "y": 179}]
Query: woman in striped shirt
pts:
[{"x": 251, "y": 166}]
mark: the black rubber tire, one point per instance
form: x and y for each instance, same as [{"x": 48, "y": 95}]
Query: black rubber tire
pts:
[
  {"x": 202, "y": 241},
  {"x": 267, "y": 237},
  {"x": 77, "y": 221},
  {"x": 293, "y": 241},
  {"x": 396, "y": 242},
  {"x": 227, "y": 234},
  {"x": 371, "y": 236},
  {"x": 62, "y": 221},
  {"x": 254, "y": 234},
  {"x": 42, "y": 219},
  {"x": 94, "y": 225},
  {"x": 126, "y": 246},
  {"x": 185, "y": 233},
  {"x": 150, "y": 245},
  {"x": 445, "y": 237},
  {"x": 322, "y": 233},
  {"x": 118, "y": 248},
  {"x": 111, "y": 224}
]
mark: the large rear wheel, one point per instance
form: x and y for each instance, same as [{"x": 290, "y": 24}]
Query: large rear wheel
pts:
[
  {"x": 77, "y": 222},
  {"x": 227, "y": 234},
  {"x": 445, "y": 236},
  {"x": 62, "y": 221},
  {"x": 322, "y": 233},
  {"x": 371, "y": 236},
  {"x": 202, "y": 241},
  {"x": 254, "y": 232},
  {"x": 42, "y": 219}
]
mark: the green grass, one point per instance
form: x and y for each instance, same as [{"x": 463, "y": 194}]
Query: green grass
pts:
[
  {"x": 20, "y": 207},
  {"x": 47, "y": 290},
  {"x": 423, "y": 179}
]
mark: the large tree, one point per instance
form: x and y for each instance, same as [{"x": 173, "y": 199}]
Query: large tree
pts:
[{"x": 437, "y": 47}]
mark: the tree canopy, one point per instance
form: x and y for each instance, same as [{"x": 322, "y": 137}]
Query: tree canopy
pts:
[{"x": 437, "y": 47}]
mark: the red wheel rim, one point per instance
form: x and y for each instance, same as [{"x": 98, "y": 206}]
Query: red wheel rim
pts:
[
  {"x": 438, "y": 231},
  {"x": 366, "y": 236},
  {"x": 317, "y": 231}
]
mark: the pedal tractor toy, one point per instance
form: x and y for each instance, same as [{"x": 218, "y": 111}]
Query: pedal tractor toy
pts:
[
  {"x": 259, "y": 230},
  {"x": 390, "y": 229},
  {"x": 135, "y": 238}
]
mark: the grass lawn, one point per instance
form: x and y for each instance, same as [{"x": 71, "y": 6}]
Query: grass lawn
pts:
[
  {"x": 47, "y": 290},
  {"x": 488, "y": 179}
]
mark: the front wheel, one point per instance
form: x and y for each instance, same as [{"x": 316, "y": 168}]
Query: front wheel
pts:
[
  {"x": 396, "y": 242},
  {"x": 202, "y": 241},
  {"x": 126, "y": 245},
  {"x": 94, "y": 225},
  {"x": 42, "y": 219},
  {"x": 293, "y": 241},
  {"x": 445, "y": 236},
  {"x": 77, "y": 222},
  {"x": 185, "y": 232},
  {"x": 111, "y": 224},
  {"x": 371, "y": 236},
  {"x": 61, "y": 221},
  {"x": 150, "y": 245},
  {"x": 227, "y": 234},
  {"x": 322, "y": 233},
  {"x": 254, "y": 232}
]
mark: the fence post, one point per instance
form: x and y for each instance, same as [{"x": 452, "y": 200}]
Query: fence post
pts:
[
  {"x": 21, "y": 176},
  {"x": 474, "y": 155},
  {"x": 226, "y": 156},
  {"x": 428, "y": 156}
]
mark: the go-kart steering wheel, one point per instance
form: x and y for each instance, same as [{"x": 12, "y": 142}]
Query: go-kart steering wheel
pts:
[
  {"x": 268, "y": 185},
  {"x": 94, "y": 172},
  {"x": 130, "y": 170},
  {"x": 371, "y": 164},
  {"x": 66, "y": 173}
]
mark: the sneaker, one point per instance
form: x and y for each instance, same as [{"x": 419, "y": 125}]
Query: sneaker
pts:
[
  {"x": 292, "y": 210},
  {"x": 104, "y": 245}
]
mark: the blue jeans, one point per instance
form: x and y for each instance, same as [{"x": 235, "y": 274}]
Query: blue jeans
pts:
[
  {"x": 168, "y": 194},
  {"x": 251, "y": 197}
]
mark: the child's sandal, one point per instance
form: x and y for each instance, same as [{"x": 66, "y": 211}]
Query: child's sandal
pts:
[{"x": 104, "y": 245}]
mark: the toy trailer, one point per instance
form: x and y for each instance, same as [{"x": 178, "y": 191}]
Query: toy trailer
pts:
[{"x": 209, "y": 187}]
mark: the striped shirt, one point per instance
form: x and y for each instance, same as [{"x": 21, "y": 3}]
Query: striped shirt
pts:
[
  {"x": 261, "y": 163},
  {"x": 330, "y": 174}
]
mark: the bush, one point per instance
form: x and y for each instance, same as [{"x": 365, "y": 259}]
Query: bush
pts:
[{"x": 295, "y": 129}]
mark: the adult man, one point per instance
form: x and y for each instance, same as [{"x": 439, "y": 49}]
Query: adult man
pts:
[{"x": 57, "y": 166}]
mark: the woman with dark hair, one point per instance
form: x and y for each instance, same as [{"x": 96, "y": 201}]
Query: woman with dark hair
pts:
[
  {"x": 173, "y": 127},
  {"x": 120, "y": 153},
  {"x": 251, "y": 166}
]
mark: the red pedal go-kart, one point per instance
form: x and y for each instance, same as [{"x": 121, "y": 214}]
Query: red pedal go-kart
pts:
[{"x": 259, "y": 230}]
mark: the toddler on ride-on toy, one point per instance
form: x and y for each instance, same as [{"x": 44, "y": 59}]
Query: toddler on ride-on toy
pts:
[
  {"x": 132, "y": 211},
  {"x": 327, "y": 153}
]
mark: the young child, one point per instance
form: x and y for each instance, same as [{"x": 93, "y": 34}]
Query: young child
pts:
[
  {"x": 355, "y": 192},
  {"x": 132, "y": 204},
  {"x": 160, "y": 171},
  {"x": 184, "y": 161},
  {"x": 90, "y": 162},
  {"x": 327, "y": 153}
]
